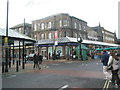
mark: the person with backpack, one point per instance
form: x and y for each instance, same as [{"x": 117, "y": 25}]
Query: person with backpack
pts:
[{"x": 114, "y": 63}]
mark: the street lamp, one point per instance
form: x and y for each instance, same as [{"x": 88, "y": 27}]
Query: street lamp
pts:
[
  {"x": 79, "y": 41},
  {"x": 6, "y": 39}
]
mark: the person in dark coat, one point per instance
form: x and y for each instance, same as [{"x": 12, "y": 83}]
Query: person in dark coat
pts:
[
  {"x": 40, "y": 59},
  {"x": 104, "y": 60},
  {"x": 36, "y": 61}
]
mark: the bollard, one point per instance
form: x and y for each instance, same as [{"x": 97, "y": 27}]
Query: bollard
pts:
[
  {"x": 17, "y": 66},
  {"x": 3, "y": 68},
  {"x": 19, "y": 63},
  {"x": 13, "y": 62},
  {"x": 9, "y": 64},
  {"x": 23, "y": 65}
]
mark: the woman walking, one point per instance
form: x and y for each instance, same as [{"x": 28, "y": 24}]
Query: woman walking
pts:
[{"x": 113, "y": 61}]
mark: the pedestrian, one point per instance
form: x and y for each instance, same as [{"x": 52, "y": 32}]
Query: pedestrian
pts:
[
  {"x": 40, "y": 59},
  {"x": 113, "y": 62},
  {"x": 104, "y": 60},
  {"x": 36, "y": 61}
]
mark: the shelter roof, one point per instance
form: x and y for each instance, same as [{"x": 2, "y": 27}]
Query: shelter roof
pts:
[
  {"x": 70, "y": 40},
  {"x": 15, "y": 35}
]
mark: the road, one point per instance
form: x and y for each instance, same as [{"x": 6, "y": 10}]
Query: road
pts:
[{"x": 69, "y": 74}]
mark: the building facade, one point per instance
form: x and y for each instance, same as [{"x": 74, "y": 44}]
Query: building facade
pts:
[
  {"x": 92, "y": 35},
  {"x": 23, "y": 28},
  {"x": 63, "y": 24},
  {"x": 55, "y": 29},
  {"x": 108, "y": 36}
]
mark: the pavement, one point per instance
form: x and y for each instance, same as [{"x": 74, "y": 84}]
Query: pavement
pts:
[{"x": 29, "y": 66}]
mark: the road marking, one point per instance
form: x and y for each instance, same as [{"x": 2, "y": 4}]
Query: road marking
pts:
[
  {"x": 11, "y": 76},
  {"x": 106, "y": 85},
  {"x": 63, "y": 87}
]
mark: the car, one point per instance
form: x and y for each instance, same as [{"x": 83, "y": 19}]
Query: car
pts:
[{"x": 30, "y": 57}]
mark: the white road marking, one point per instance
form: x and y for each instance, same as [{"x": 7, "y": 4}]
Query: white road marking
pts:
[
  {"x": 12, "y": 76},
  {"x": 63, "y": 87}
]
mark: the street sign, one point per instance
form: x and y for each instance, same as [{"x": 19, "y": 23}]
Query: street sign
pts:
[{"x": 6, "y": 40}]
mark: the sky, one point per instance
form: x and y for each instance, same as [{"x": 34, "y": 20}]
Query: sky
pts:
[{"x": 93, "y": 12}]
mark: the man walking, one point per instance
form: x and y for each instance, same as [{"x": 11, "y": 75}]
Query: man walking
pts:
[
  {"x": 36, "y": 61},
  {"x": 104, "y": 60}
]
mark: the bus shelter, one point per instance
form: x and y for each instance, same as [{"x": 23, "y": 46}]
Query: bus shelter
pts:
[{"x": 13, "y": 49}]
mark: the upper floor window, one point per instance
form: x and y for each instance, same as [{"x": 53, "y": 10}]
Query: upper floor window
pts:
[
  {"x": 75, "y": 25},
  {"x": 49, "y": 36},
  {"x": 60, "y": 23},
  {"x": 20, "y": 30},
  {"x": 80, "y": 27},
  {"x": 75, "y": 35},
  {"x": 42, "y": 36},
  {"x": 35, "y": 36},
  {"x": 84, "y": 27},
  {"x": 35, "y": 27},
  {"x": 49, "y": 24},
  {"x": 65, "y": 22},
  {"x": 42, "y": 26}
]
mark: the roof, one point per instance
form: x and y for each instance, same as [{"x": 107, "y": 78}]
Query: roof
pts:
[
  {"x": 15, "y": 35},
  {"x": 70, "y": 39},
  {"x": 82, "y": 47},
  {"x": 21, "y": 25}
]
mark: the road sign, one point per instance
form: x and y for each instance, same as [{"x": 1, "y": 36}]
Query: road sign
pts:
[{"x": 6, "y": 40}]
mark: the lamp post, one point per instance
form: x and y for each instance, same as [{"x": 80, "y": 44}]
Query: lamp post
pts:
[
  {"x": 6, "y": 40},
  {"x": 79, "y": 41}
]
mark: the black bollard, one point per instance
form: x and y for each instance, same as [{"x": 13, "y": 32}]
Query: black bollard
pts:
[
  {"x": 9, "y": 64},
  {"x": 17, "y": 66},
  {"x": 3, "y": 68},
  {"x": 19, "y": 63},
  {"x": 13, "y": 62},
  {"x": 23, "y": 65}
]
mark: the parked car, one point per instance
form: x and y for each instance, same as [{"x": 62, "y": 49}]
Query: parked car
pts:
[{"x": 30, "y": 57}]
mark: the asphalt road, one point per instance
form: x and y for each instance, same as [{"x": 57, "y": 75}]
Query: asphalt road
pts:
[{"x": 69, "y": 74}]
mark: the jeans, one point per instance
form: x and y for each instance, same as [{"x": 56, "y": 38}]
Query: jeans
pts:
[{"x": 115, "y": 77}]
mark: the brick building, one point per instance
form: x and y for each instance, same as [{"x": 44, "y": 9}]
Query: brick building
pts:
[
  {"x": 56, "y": 30},
  {"x": 23, "y": 28}
]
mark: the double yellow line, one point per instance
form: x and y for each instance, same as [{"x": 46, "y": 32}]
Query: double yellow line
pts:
[{"x": 106, "y": 85}]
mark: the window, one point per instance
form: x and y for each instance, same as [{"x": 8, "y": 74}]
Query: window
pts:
[
  {"x": 35, "y": 27},
  {"x": 84, "y": 27},
  {"x": 35, "y": 36},
  {"x": 42, "y": 36},
  {"x": 49, "y": 24},
  {"x": 64, "y": 22},
  {"x": 42, "y": 26},
  {"x": 50, "y": 36},
  {"x": 60, "y": 23},
  {"x": 80, "y": 28},
  {"x": 75, "y": 25},
  {"x": 75, "y": 35},
  {"x": 65, "y": 34}
]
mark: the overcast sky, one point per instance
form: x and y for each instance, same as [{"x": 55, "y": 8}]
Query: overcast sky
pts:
[{"x": 91, "y": 11}]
